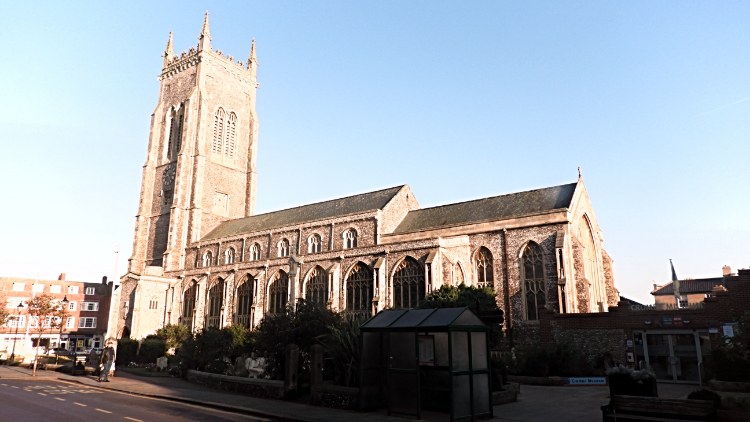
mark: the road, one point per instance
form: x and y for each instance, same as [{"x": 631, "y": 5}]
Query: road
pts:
[{"x": 54, "y": 400}]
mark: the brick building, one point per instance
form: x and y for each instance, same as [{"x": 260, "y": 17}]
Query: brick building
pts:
[
  {"x": 692, "y": 291},
  {"x": 85, "y": 325},
  {"x": 202, "y": 258}
]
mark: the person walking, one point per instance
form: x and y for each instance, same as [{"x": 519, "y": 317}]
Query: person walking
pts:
[{"x": 108, "y": 357}]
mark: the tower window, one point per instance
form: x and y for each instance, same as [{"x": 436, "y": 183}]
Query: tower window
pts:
[
  {"x": 225, "y": 133},
  {"x": 231, "y": 129},
  {"x": 153, "y": 303},
  {"x": 217, "y": 145},
  {"x": 350, "y": 239}
]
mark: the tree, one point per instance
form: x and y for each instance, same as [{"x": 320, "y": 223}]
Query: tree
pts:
[
  {"x": 5, "y": 316},
  {"x": 173, "y": 336},
  {"x": 44, "y": 311}
]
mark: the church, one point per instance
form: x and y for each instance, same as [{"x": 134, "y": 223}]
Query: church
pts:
[{"x": 203, "y": 258}]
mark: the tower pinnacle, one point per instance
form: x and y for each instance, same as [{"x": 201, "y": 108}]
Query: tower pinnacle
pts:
[
  {"x": 252, "y": 61},
  {"x": 169, "y": 52},
  {"x": 204, "y": 41}
]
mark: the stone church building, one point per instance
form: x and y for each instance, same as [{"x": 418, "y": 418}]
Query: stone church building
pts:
[{"x": 202, "y": 258}]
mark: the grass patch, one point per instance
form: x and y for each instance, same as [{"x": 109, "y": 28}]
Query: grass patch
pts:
[{"x": 142, "y": 372}]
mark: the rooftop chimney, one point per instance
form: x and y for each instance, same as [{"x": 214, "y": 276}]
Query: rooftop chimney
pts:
[
  {"x": 104, "y": 280},
  {"x": 727, "y": 270},
  {"x": 62, "y": 277}
]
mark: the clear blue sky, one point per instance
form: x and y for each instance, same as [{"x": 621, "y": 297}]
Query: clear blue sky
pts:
[{"x": 460, "y": 100}]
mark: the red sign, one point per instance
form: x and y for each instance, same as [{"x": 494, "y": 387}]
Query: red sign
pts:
[{"x": 677, "y": 321}]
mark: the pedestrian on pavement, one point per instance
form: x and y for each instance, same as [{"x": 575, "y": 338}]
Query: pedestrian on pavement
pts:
[{"x": 108, "y": 357}]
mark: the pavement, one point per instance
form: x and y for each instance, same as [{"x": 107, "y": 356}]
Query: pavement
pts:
[{"x": 535, "y": 403}]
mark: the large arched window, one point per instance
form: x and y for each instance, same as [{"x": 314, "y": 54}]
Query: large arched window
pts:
[
  {"x": 283, "y": 248},
  {"x": 229, "y": 256},
  {"x": 175, "y": 134},
  {"x": 188, "y": 305},
  {"x": 317, "y": 287},
  {"x": 244, "y": 313},
  {"x": 408, "y": 284},
  {"x": 278, "y": 293},
  {"x": 218, "y": 139},
  {"x": 359, "y": 289},
  {"x": 533, "y": 280},
  {"x": 254, "y": 252},
  {"x": 208, "y": 258},
  {"x": 483, "y": 275},
  {"x": 350, "y": 239},
  {"x": 215, "y": 304},
  {"x": 231, "y": 130},
  {"x": 314, "y": 244}
]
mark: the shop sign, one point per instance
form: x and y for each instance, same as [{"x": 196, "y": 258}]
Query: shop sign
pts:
[
  {"x": 586, "y": 381},
  {"x": 677, "y": 321}
]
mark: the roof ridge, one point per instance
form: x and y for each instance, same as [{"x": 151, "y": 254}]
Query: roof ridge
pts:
[{"x": 496, "y": 196}]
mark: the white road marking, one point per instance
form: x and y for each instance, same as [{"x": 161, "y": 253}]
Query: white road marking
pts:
[
  {"x": 42, "y": 394},
  {"x": 105, "y": 411},
  {"x": 58, "y": 398},
  {"x": 133, "y": 419},
  {"x": 80, "y": 404}
]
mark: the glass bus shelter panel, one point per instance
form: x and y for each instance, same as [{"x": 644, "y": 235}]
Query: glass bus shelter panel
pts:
[
  {"x": 468, "y": 318},
  {"x": 461, "y": 397},
  {"x": 441, "y": 348},
  {"x": 403, "y": 393},
  {"x": 383, "y": 319},
  {"x": 460, "y": 346},
  {"x": 478, "y": 350},
  {"x": 481, "y": 393},
  {"x": 372, "y": 370},
  {"x": 685, "y": 357},
  {"x": 658, "y": 355},
  {"x": 442, "y": 317},
  {"x": 403, "y": 350},
  {"x": 412, "y": 318}
]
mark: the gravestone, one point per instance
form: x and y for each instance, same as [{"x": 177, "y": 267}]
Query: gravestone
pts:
[{"x": 161, "y": 363}]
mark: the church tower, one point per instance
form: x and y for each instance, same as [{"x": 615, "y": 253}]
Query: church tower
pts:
[{"x": 200, "y": 168}]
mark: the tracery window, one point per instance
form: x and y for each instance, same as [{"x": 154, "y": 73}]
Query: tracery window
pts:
[
  {"x": 317, "y": 287},
  {"x": 483, "y": 274},
  {"x": 350, "y": 239},
  {"x": 533, "y": 280},
  {"x": 229, "y": 256},
  {"x": 245, "y": 303},
  {"x": 283, "y": 248},
  {"x": 314, "y": 244},
  {"x": 254, "y": 252},
  {"x": 408, "y": 284},
  {"x": 188, "y": 305},
  {"x": 278, "y": 293},
  {"x": 225, "y": 130},
  {"x": 359, "y": 289},
  {"x": 215, "y": 303},
  {"x": 175, "y": 134},
  {"x": 208, "y": 259},
  {"x": 219, "y": 120},
  {"x": 231, "y": 129}
]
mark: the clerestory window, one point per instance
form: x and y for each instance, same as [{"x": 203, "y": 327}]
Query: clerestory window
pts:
[
  {"x": 283, "y": 248},
  {"x": 254, "y": 254},
  {"x": 350, "y": 239},
  {"x": 314, "y": 244}
]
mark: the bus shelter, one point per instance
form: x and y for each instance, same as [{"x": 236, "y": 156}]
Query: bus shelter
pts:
[{"x": 436, "y": 359}]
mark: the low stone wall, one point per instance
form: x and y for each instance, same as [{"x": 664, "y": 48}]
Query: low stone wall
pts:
[
  {"x": 736, "y": 387},
  {"x": 269, "y": 389},
  {"x": 503, "y": 397},
  {"x": 336, "y": 396}
]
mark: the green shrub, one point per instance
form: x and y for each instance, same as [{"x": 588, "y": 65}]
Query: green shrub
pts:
[
  {"x": 560, "y": 359},
  {"x": 704, "y": 394},
  {"x": 341, "y": 346},
  {"x": 127, "y": 351},
  {"x": 728, "y": 365},
  {"x": 173, "y": 335},
  {"x": 151, "y": 349}
]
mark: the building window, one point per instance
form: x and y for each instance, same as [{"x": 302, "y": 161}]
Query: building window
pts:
[
  {"x": 231, "y": 129},
  {"x": 225, "y": 129},
  {"x": 37, "y": 288},
  {"x": 314, "y": 244},
  {"x": 245, "y": 303},
  {"x": 359, "y": 289},
  {"x": 87, "y": 322},
  {"x": 533, "y": 280},
  {"x": 90, "y": 290},
  {"x": 683, "y": 301},
  {"x": 72, "y": 290},
  {"x": 458, "y": 275},
  {"x": 16, "y": 321},
  {"x": 317, "y": 287},
  {"x": 56, "y": 288},
  {"x": 153, "y": 303},
  {"x": 175, "y": 134},
  {"x": 408, "y": 284},
  {"x": 19, "y": 287},
  {"x": 215, "y": 304},
  {"x": 483, "y": 274},
  {"x": 218, "y": 139},
  {"x": 71, "y": 306},
  {"x": 70, "y": 322},
  {"x": 188, "y": 305},
  {"x": 89, "y": 306},
  {"x": 283, "y": 247},
  {"x": 255, "y": 252},
  {"x": 229, "y": 256},
  {"x": 278, "y": 293},
  {"x": 350, "y": 239},
  {"x": 207, "y": 259}
]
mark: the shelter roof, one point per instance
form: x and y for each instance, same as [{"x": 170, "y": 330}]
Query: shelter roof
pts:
[
  {"x": 423, "y": 318},
  {"x": 328, "y": 209},
  {"x": 493, "y": 208}
]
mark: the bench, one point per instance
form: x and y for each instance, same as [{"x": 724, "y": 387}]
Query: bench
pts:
[{"x": 636, "y": 408}]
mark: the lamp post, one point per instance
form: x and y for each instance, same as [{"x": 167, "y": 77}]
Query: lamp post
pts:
[
  {"x": 63, "y": 314},
  {"x": 15, "y": 336}
]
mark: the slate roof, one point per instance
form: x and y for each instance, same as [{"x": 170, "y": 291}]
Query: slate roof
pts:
[
  {"x": 700, "y": 285},
  {"x": 329, "y": 209},
  {"x": 494, "y": 208}
]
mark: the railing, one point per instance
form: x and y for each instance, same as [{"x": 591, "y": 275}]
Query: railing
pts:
[
  {"x": 187, "y": 321},
  {"x": 243, "y": 320},
  {"x": 357, "y": 314},
  {"x": 213, "y": 321}
]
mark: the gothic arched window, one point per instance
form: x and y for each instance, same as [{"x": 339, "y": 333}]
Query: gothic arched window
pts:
[
  {"x": 230, "y": 129},
  {"x": 219, "y": 123},
  {"x": 208, "y": 259},
  {"x": 175, "y": 134},
  {"x": 317, "y": 287},
  {"x": 483, "y": 275},
  {"x": 245, "y": 303},
  {"x": 314, "y": 244},
  {"x": 254, "y": 252},
  {"x": 359, "y": 289},
  {"x": 229, "y": 256},
  {"x": 350, "y": 239},
  {"x": 278, "y": 293},
  {"x": 590, "y": 267},
  {"x": 533, "y": 280},
  {"x": 283, "y": 247},
  {"x": 215, "y": 303},
  {"x": 408, "y": 284},
  {"x": 188, "y": 305}
]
